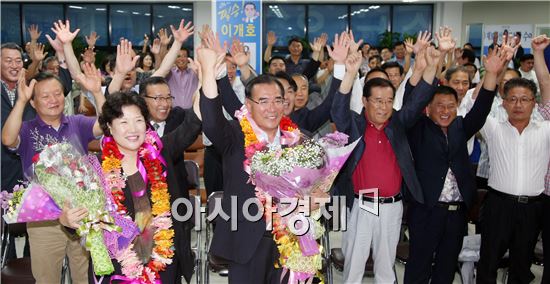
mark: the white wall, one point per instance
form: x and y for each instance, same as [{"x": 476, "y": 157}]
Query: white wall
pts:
[
  {"x": 448, "y": 14},
  {"x": 514, "y": 12},
  {"x": 202, "y": 15}
]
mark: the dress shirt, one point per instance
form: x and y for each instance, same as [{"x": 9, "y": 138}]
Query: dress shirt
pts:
[
  {"x": 518, "y": 161},
  {"x": 378, "y": 167},
  {"x": 498, "y": 112},
  {"x": 159, "y": 127},
  {"x": 450, "y": 192},
  {"x": 183, "y": 84}
]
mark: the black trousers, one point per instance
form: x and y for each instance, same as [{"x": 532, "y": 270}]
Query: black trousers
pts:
[
  {"x": 546, "y": 238},
  {"x": 213, "y": 173},
  {"x": 436, "y": 236},
  {"x": 508, "y": 225},
  {"x": 260, "y": 268}
]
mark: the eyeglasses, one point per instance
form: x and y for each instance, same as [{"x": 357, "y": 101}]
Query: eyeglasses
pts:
[
  {"x": 265, "y": 102},
  {"x": 522, "y": 100},
  {"x": 161, "y": 99},
  {"x": 379, "y": 102}
]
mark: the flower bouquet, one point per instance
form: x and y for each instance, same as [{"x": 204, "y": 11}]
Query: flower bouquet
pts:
[
  {"x": 295, "y": 170},
  {"x": 63, "y": 175}
]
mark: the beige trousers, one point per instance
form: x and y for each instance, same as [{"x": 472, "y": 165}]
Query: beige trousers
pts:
[{"x": 49, "y": 244}]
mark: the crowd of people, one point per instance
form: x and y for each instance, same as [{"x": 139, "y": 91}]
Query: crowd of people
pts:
[{"x": 434, "y": 127}]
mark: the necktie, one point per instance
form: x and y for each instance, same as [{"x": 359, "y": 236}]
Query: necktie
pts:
[{"x": 156, "y": 126}]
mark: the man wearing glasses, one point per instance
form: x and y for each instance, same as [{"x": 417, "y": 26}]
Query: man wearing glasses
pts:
[
  {"x": 164, "y": 120},
  {"x": 519, "y": 151}
]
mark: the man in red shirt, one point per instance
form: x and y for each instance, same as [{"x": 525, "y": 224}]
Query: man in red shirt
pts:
[{"x": 382, "y": 163}]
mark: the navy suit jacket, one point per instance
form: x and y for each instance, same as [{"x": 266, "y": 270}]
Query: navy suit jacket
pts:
[
  {"x": 12, "y": 170},
  {"x": 354, "y": 125},
  {"x": 434, "y": 152}
]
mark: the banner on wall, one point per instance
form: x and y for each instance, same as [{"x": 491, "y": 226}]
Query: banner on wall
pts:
[
  {"x": 240, "y": 19},
  {"x": 526, "y": 31}
]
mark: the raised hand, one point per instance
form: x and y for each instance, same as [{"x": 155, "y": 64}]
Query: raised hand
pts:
[
  {"x": 164, "y": 38},
  {"x": 354, "y": 46},
  {"x": 24, "y": 91},
  {"x": 495, "y": 61},
  {"x": 207, "y": 60},
  {"x": 90, "y": 79},
  {"x": 56, "y": 44},
  {"x": 125, "y": 61},
  {"x": 509, "y": 47},
  {"x": 422, "y": 41},
  {"x": 37, "y": 52},
  {"x": 145, "y": 40},
  {"x": 540, "y": 43},
  {"x": 212, "y": 41},
  {"x": 420, "y": 61},
  {"x": 92, "y": 39},
  {"x": 34, "y": 33},
  {"x": 271, "y": 38},
  {"x": 445, "y": 40},
  {"x": 204, "y": 31},
  {"x": 432, "y": 57},
  {"x": 409, "y": 45},
  {"x": 319, "y": 43},
  {"x": 353, "y": 61},
  {"x": 340, "y": 48},
  {"x": 63, "y": 31},
  {"x": 238, "y": 53},
  {"x": 458, "y": 52},
  {"x": 182, "y": 33},
  {"x": 89, "y": 55},
  {"x": 155, "y": 48}
]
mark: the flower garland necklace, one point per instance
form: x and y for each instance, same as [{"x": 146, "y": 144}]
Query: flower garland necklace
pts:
[
  {"x": 163, "y": 250},
  {"x": 285, "y": 243}
]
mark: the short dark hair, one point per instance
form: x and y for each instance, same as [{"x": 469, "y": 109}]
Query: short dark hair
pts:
[
  {"x": 250, "y": 3},
  {"x": 112, "y": 108},
  {"x": 398, "y": 44},
  {"x": 525, "y": 57},
  {"x": 285, "y": 76},
  {"x": 377, "y": 82},
  {"x": 376, "y": 57},
  {"x": 273, "y": 58},
  {"x": 12, "y": 45},
  {"x": 376, "y": 69},
  {"x": 468, "y": 44},
  {"x": 44, "y": 76},
  {"x": 508, "y": 69},
  {"x": 449, "y": 72},
  {"x": 445, "y": 90},
  {"x": 470, "y": 65},
  {"x": 295, "y": 39},
  {"x": 263, "y": 79},
  {"x": 392, "y": 64},
  {"x": 520, "y": 83},
  {"x": 154, "y": 80},
  {"x": 46, "y": 61},
  {"x": 469, "y": 55}
]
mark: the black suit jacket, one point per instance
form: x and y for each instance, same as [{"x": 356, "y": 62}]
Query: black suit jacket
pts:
[
  {"x": 228, "y": 139},
  {"x": 175, "y": 118},
  {"x": 434, "y": 152},
  {"x": 181, "y": 130},
  {"x": 306, "y": 119},
  {"x": 355, "y": 124},
  {"x": 12, "y": 170}
]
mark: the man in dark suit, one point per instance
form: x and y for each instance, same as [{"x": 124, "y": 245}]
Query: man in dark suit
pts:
[
  {"x": 11, "y": 69},
  {"x": 519, "y": 52},
  {"x": 247, "y": 245},
  {"x": 381, "y": 161},
  {"x": 12, "y": 66},
  {"x": 164, "y": 120},
  {"x": 439, "y": 148}
]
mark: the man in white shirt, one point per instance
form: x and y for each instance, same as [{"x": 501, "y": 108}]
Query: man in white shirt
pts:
[
  {"x": 519, "y": 150},
  {"x": 526, "y": 64}
]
